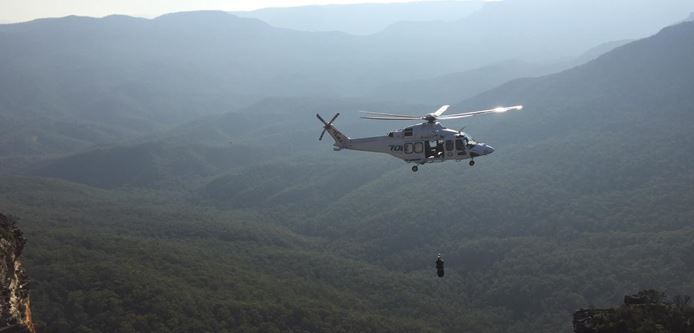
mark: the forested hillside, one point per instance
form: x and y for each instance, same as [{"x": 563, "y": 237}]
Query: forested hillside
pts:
[
  {"x": 241, "y": 221},
  {"x": 123, "y": 261}
]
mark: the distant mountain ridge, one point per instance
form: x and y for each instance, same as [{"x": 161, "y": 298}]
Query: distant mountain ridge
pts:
[
  {"x": 462, "y": 85},
  {"x": 362, "y": 19},
  {"x": 519, "y": 27}
]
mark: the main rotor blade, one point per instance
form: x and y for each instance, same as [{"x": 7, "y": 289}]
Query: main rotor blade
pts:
[
  {"x": 441, "y": 110},
  {"x": 454, "y": 116},
  {"x": 475, "y": 113},
  {"x": 392, "y": 118},
  {"x": 390, "y": 114}
]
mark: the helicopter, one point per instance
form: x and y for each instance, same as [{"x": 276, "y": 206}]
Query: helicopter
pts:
[{"x": 426, "y": 142}]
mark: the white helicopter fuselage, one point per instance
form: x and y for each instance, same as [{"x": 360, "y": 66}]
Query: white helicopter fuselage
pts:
[{"x": 421, "y": 143}]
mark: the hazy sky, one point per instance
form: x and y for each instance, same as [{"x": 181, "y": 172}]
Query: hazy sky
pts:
[{"x": 24, "y": 10}]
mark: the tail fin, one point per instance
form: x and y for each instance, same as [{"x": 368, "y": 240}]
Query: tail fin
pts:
[{"x": 341, "y": 140}]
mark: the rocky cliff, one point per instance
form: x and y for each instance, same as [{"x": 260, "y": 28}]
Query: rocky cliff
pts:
[
  {"x": 648, "y": 311},
  {"x": 15, "y": 311}
]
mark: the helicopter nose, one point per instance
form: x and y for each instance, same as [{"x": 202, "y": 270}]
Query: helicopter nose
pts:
[{"x": 481, "y": 149}]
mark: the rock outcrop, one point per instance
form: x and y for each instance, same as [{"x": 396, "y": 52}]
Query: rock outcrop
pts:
[
  {"x": 647, "y": 311},
  {"x": 15, "y": 310}
]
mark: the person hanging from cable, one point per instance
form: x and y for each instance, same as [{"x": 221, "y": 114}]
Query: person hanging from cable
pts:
[{"x": 439, "y": 266}]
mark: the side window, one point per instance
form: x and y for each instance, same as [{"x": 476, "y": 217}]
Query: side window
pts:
[
  {"x": 409, "y": 148},
  {"x": 459, "y": 144},
  {"x": 418, "y": 147},
  {"x": 449, "y": 145},
  {"x": 408, "y": 132}
]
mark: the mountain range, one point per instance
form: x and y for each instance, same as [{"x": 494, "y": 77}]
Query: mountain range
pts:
[
  {"x": 362, "y": 19},
  {"x": 462, "y": 85},
  {"x": 170, "y": 201},
  {"x": 71, "y": 83}
]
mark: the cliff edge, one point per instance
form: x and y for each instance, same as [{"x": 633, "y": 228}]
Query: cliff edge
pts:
[{"x": 15, "y": 311}]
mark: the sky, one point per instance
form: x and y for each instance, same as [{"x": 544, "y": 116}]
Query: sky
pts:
[{"x": 25, "y": 10}]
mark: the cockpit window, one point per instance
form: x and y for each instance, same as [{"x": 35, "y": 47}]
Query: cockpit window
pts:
[
  {"x": 467, "y": 139},
  {"x": 407, "y": 132},
  {"x": 460, "y": 144}
]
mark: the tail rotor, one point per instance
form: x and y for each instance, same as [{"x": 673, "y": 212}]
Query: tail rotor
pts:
[{"x": 327, "y": 124}]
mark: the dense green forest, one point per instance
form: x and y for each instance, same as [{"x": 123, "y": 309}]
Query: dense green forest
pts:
[{"x": 152, "y": 204}]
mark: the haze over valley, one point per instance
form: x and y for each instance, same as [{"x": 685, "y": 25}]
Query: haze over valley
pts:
[{"x": 167, "y": 173}]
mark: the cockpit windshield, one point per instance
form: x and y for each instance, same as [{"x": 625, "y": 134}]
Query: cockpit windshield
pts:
[
  {"x": 467, "y": 138},
  {"x": 464, "y": 140}
]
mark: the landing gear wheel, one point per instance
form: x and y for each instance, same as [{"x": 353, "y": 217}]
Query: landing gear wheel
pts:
[
  {"x": 415, "y": 168},
  {"x": 472, "y": 163}
]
